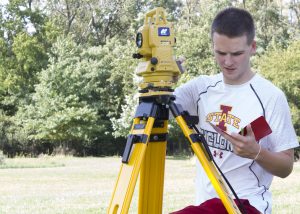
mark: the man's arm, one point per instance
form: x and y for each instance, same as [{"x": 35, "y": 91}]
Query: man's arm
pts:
[{"x": 277, "y": 163}]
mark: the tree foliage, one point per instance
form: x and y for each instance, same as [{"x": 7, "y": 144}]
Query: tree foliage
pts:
[
  {"x": 67, "y": 76},
  {"x": 23, "y": 50},
  {"x": 77, "y": 93},
  {"x": 282, "y": 66},
  {"x": 271, "y": 26}
]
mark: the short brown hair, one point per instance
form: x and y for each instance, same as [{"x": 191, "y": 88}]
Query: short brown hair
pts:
[{"x": 234, "y": 22}]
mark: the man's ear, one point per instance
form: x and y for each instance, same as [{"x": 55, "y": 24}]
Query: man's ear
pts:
[{"x": 253, "y": 47}]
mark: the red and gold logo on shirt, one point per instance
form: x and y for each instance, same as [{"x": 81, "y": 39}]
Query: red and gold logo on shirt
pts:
[{"x": 224, "y": 118}]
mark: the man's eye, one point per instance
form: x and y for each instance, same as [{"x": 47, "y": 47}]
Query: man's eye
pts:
[
  {"x": 237, "y": 53},
  {"x": 221, "y": 53}
]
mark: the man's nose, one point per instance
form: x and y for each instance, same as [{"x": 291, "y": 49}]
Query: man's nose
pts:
[{"x": 228, "y": 61}]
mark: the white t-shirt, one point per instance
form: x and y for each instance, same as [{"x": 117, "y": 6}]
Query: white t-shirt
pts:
[{"x": 232, "y": 107}]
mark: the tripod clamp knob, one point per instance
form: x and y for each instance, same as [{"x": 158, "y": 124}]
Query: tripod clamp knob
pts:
[{"x": 154, "y": 60}]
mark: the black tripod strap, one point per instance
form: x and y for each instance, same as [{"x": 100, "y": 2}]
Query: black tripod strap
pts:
[
  {"x": 191, "y": 121},
  {"x": 240, "y": 204}
]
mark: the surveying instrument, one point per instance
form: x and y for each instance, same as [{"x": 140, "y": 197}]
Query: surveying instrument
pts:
[{"x": 145, "y": 149}]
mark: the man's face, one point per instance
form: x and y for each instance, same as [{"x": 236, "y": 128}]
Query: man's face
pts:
[{"x": 233, "y": 57}]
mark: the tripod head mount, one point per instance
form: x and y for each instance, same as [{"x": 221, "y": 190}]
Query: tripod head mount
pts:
[{"x": 155, "y": 41}]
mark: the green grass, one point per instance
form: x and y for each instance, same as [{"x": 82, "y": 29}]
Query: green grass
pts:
[
  {"x": 42, "y": 162},
  {"x": 67, "y": 185}
]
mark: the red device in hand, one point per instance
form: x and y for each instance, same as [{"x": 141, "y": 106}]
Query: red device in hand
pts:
[{"x": 260, "y": 128}]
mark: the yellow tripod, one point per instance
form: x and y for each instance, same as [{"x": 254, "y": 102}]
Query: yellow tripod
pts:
[{"x": 145, "y": 148}]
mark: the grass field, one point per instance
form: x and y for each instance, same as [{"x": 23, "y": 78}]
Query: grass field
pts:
[{"x": 71, "y": 185}]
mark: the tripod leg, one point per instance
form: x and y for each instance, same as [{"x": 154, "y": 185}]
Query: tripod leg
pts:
[
  {"x": 152, "y": 172},
  {"x": 216, "y": 179},
  {"x": 130, "y": 167}
]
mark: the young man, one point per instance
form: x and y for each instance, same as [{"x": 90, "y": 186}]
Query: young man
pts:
[{"x": 231, "y": 100}]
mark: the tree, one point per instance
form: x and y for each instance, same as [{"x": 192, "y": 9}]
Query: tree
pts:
[
  {"x": 294, "y": 17},
  {"x": 59, "y": 112},
  {"x": 92, "y": 22},
  {"x": 23, "y": 50},
  {"x": 23, "y": 55},
  {"x": 282, "y": 66},
  {"x": 272, "y": 27},
  {"x": 77, "y": 95}
]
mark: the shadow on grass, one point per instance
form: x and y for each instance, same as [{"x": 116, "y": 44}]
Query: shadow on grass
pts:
[
  {"x": 23, "y": 166},
  {"x": 21, "y": 163},
  {"x": 178, "y": 157}
]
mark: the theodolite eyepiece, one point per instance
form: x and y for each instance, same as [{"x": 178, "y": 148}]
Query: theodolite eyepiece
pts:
[{"x": 137, "y": 56}]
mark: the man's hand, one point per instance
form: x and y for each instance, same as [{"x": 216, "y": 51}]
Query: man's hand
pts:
[
  {"x": 244, "y": 146},
  {"x": 277, "y": 163}
]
